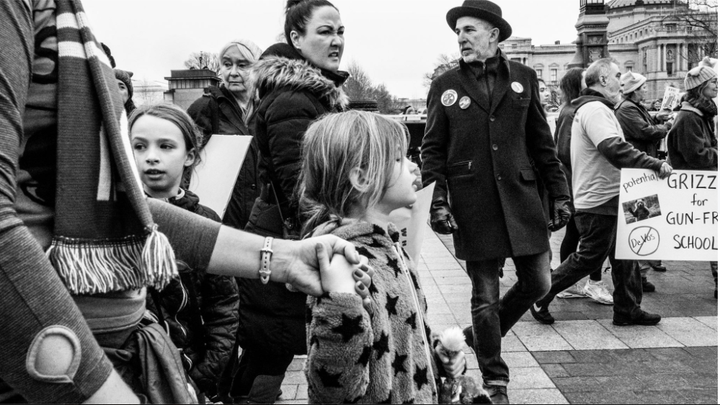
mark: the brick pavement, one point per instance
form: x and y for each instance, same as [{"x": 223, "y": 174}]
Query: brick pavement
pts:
[{"x": 583, "y": 358}]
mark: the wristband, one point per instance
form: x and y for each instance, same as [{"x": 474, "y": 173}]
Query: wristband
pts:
[{"x": 265, "y": 255}]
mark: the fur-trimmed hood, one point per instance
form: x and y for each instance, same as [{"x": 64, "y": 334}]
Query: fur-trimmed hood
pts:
[{"x": 276, "y": 72}]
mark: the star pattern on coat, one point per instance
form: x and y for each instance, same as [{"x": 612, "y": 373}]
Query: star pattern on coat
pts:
[
  {"x": 420, "y": 377},
  {"x": 381, "y": 346},
  {"x": 314, "y": 341},
  {"x": 399, "y": 363},
  {"x": 395, "y": 265},
  {"x": 329, "y": 379},
  {"x": 391, "y": 304},
  {"x": 373, "y": 288},
  {"x": 412, "y": 321},
  {"x": 365, "y": 356},
  {"x": 365, "y": 252},
  {"x": 325, "y": 295},
  {"x": 378, "y": 230},
  {"x": 375, "y": 244},
  {"x": 349, "y": 327}
]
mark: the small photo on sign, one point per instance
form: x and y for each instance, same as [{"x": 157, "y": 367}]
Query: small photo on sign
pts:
[{"x": 641, "y": 209}]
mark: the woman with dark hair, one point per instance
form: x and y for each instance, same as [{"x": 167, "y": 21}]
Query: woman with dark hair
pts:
[
  {"x": 297, "y": 82},
  {"x": 692, "y": 142},
  {"x": 570, "y": 87}
]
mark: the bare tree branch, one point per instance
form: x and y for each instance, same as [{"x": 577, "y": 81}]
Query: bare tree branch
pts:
[{"x": 203, "y": 60}]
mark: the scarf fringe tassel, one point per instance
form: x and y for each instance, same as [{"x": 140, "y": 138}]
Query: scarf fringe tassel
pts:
[{"x": 95, "y": 267}]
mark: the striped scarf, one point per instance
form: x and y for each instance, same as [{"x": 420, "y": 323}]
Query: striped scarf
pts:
[{"x": 104, "y": 238}]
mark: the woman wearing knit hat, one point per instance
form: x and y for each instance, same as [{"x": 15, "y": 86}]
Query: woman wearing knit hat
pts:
[
  {"x": 229, "y": 110},
  {"x": 644, "y": 132},
  {"x": 124, "y": 81},
  {"x": 692, "y": 141}
]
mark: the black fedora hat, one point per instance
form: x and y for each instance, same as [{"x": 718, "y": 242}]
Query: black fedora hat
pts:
[{"x": 484, "y": 10}]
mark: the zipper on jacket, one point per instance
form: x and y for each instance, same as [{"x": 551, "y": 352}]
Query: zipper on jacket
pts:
[
  {"x": 398, "y": 251},
  {"x": 183, "y": 304}
]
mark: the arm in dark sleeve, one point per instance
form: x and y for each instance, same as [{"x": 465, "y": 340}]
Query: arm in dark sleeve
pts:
[
  {"x": 220, "y": 322},
  {"x": 287, "y": 120},
  {"x": 623, "y": 155},
  {"x": 191, "y": 236},
  {"x": 434, "y": 143},
  {"x": 32, "y": 296},
  {"x": 541, "y": 148},
  {"x": 688, "y": 138},
  {"x": 636, "y": 128},
  {"x": 201, "y": 114}
]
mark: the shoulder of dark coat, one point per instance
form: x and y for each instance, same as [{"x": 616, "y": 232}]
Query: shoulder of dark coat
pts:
[{"x": 278, "y": 72}]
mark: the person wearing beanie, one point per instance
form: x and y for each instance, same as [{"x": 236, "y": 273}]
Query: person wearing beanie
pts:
[
  {"x": 124, "y": 82},
  {"x": 692, "y": 140},
  {"x": 645, "y": 133}
]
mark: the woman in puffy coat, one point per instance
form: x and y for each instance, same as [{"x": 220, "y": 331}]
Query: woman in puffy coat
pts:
[
  {"x": 692, "y": 141},
  {"x": 296, "y": 82},
  {"x": 228, "y": 110}
]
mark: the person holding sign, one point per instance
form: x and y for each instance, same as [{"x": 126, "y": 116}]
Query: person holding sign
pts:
[
  {"x": 692, "y": 143},
  {"x": 644, "y": 132},
  {"x": 599, "y": 147}
]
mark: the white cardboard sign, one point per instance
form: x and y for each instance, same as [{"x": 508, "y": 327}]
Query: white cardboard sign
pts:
[
  {"x": 214, "y": 178},
  {"x": 411, "y": 222},
  {"x": 671, "y": 219},
  {"x": 671, "y": 98}
]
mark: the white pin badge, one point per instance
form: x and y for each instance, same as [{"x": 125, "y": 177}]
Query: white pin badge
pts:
[
  {"x": 465, "y": 102},
  {"x": 517, "y": 87},
  {"x": 449, "y": 97}
]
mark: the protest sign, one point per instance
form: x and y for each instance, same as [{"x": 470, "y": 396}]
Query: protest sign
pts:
[
  {"x": 671, "y": 219},
  {"x": 411, "y": 222},
  {"x": 671, "y": 98},
  {"x": 214, "y": 178}
]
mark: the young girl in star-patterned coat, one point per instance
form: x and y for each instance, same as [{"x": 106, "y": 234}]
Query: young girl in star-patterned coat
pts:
[{"x": 354, "y": 175}]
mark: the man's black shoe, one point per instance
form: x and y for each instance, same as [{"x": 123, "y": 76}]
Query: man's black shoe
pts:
[
  {"x": 660, "y": 268},
  {"x": 541, "y": 314},
  {"x": 644, "y": 319},
  {"x": 647, "y": 286},
  {"x": 497, "y": 393}
]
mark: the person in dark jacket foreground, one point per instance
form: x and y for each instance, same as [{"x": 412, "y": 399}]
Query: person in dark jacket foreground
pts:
[
  {"x": 198, "y": 310},
  {"x": 228, "y": 110},
  {"x": 645, "y": 133},
  {"x": 692, "y": 141},
  {"x": 297, "y": 82},
  {"x": 485, "y": 129},
  {"x": 599, "y": 147}
]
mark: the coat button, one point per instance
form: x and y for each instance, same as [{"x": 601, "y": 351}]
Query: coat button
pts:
[
  {"x": 492, "y": 118},
  {"x": 499, "y": 177},
  {"x": 495, "y": 147}
]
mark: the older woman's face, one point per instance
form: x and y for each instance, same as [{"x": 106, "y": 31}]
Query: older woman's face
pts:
[
  {"x": 234, "y": 71},
  {"x": 323, "y": 42},
  {"x": 711, "y": 90},
  {"x": 641, "y": 92}
]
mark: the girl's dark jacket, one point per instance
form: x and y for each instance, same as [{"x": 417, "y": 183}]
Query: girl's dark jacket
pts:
[
  {"x": 200, "y": 311},
  {"x": 293, "y": 93},
  {"x": 217, "y": 112}
]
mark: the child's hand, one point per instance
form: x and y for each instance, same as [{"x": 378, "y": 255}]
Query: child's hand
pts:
[
  {"x": 452, "y": 362},
  {"x": 341, "y": 276}
]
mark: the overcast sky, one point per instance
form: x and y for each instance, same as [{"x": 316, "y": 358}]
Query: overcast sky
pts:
[{"x": 395, "y": 41}]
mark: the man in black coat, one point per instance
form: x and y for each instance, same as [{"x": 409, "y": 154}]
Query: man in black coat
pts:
[{"x": 486, "y": 129}]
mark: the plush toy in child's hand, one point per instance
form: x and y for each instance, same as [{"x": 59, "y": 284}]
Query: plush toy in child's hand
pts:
[{"x": 462, "y": 389}]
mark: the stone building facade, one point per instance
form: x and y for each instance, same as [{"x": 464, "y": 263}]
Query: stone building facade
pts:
[{"x": 640, "y": 35}]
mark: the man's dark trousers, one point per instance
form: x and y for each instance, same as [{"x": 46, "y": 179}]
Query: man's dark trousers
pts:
[
  {"x": 597, "y": 241},
  {"x": 493, "y": 317}
]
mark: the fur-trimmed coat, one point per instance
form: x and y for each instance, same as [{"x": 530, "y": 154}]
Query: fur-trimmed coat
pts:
[
  {"x": 380, "y": 356},
  {"x": 292, "y": 94}
]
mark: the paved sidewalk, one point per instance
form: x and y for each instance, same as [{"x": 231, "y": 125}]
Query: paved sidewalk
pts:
[{"x": 583, "y": 357}]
